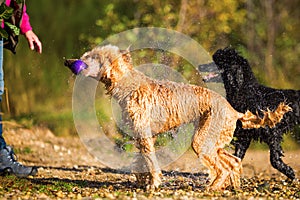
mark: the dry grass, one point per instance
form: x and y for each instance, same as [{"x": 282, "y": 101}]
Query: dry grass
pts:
[{"x": 68, "y": 171}]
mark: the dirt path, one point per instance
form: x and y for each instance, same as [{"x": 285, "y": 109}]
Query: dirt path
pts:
[{"x": 65, "y": 159}]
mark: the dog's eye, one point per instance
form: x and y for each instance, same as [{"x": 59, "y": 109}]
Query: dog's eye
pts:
[
  {"x": 95, "y": 56},
  {"x": 235, "y": 67}
]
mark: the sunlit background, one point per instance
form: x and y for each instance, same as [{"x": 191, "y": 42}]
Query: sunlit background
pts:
[{"x": 39, "y": 88}]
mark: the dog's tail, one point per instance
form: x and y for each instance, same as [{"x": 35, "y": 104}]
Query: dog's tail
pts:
[{"x": 270, "y": 118}]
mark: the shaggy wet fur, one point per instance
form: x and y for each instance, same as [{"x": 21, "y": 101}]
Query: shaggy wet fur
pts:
[
  {"x": 244, "y": 92},
  {"x": 154, "y": 106}
]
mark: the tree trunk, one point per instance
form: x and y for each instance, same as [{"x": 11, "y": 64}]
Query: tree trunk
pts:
[
  {"x": 250, "y": 39},
  {"x": 270, "y": 40}
]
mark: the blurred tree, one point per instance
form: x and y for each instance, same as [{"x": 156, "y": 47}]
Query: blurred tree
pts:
[
  {"x": 37, "y": 82},
  {"x": 266, "y": 32},
  {"x": 209, "y": 22},
  {"x": 271, "y": 38}
]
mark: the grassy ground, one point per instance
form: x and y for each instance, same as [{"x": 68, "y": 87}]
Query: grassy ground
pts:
[
  {"x": 112, "y": 185},
  {"x": 68, "y": 171}
]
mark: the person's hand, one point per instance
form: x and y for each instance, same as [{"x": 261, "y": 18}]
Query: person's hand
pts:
[{"x": 33, "y": 41}]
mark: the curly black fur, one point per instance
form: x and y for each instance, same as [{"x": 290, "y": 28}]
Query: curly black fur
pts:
[{"x": 244, "y": 92}]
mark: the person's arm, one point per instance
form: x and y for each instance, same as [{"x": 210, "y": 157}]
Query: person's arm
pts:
[
  {"x": 33, "y": 41},
  {"x": 25, "y": 23},
  {"x": 26, "y": 29}
]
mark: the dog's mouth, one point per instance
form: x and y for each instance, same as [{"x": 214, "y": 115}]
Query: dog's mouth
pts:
[
  {"x": 75, "y": 65},
  {"x": 211, "y": 71},
  {"x": 212, "y": 77}
]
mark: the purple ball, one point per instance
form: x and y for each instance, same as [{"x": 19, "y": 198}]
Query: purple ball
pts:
[{"x": 77, "y": 66}]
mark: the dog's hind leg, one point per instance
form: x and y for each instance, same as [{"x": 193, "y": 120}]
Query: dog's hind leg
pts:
[
  {"x": 243, "y": 140},
  {"x": 276, "y": 161},
  {"x": 233, "y": 166},
  {"x": 226, "y": 167},
  {"x": 216, "y": 170},
  {"x": 205, "y": 149},
  {"x": 241, "y": 146},
  {"x": 198, "y": 144}
]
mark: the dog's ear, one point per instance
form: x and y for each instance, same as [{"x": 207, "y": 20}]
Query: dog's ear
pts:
[
  {"x": 126, "y": 55},
  {"x": 128, "y": 48},
  {"x": 127, "y": 51}
]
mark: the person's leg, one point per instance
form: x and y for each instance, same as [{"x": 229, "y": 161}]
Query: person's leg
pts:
[
  {"x": 2, "y": 141},
  {"x": 8, "y": 162}
]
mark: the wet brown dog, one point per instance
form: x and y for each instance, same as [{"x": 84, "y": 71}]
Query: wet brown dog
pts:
[{"x": 155, "y": 106}]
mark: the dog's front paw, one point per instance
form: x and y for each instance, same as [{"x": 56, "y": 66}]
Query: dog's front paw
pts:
[
  {"x": 152, "y": 187},
  {"x": 155, "y": 182},
  {"x": 142, "y": 178}
]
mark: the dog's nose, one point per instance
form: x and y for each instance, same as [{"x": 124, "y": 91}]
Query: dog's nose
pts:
[
  {"x": 75, "y": 65},
  {"x": 69, "y": 62}
]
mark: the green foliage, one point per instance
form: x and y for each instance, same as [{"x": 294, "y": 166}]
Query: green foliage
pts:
[
  {"x": 12, "y": 27},
  {"x": 6, "y": 13},
  {"x": 270, "y": 40}
]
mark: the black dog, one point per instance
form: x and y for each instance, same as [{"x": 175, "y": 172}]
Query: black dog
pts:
[{"x": 244, "y": 92}]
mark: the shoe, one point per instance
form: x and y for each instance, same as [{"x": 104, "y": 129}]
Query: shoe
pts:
[{"x": 9, "y": 164}]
